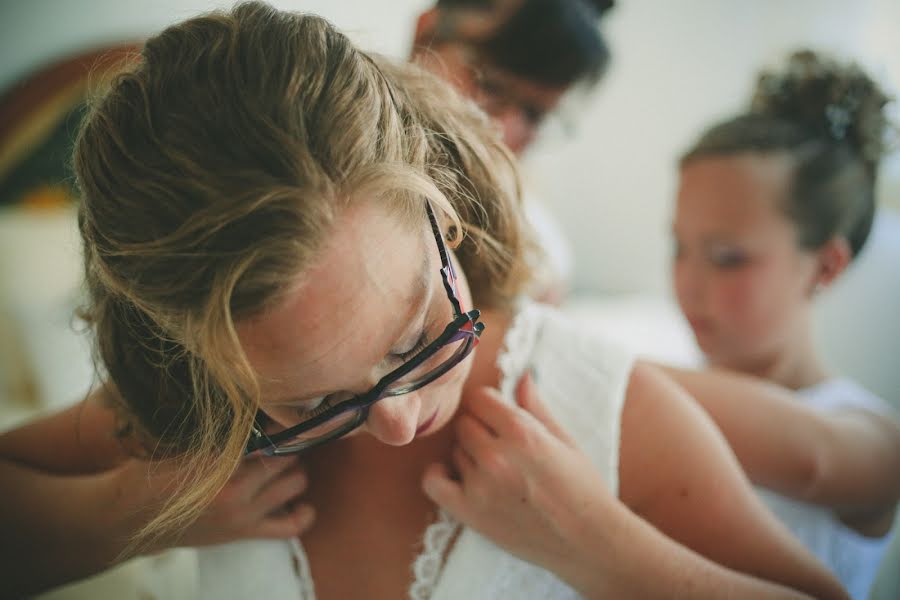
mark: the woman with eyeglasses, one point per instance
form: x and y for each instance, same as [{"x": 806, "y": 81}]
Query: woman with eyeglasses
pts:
[{"x": 296, "y": 249}]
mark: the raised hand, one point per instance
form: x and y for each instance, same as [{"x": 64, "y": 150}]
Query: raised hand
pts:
[
  {"x": 518, "y": 479},
  {"x": 263, "y": 499}
]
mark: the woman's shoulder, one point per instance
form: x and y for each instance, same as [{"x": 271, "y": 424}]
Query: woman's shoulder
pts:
[
  {"x": 581, "y": 375},
  {"x": 554, "y": 345}
]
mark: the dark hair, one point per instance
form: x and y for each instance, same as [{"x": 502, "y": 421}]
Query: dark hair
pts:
[
  {"x": 553, "y": 42},
  {"x": 829, "y": 118}
]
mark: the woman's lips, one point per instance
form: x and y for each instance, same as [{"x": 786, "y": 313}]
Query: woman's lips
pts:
[{"x": 427, "y": 423}]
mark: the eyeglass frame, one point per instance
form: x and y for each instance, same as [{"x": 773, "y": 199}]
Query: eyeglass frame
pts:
[{"x": 463, "y": 325}]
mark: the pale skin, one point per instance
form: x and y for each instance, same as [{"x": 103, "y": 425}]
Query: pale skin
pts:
[
  {"x": 375, "y": 491},
  {"x": 747, "y": 289}
]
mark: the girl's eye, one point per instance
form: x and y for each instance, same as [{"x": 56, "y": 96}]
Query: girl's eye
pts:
[{"x": 728, "y": 259}]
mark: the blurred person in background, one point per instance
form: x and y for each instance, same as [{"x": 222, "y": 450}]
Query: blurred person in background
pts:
[
  {"x": 773, "y": 206},
  {"x": 518, "y": 59}
]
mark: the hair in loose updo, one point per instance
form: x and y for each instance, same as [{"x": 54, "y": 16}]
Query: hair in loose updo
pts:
[
  {"x": 210, "y": 173},
  {"x": 829, "y": 118}
]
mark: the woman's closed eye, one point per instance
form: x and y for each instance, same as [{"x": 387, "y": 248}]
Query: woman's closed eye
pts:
[
  {"x": 421, "y": 343},
  {"x": 326, "y": 402},
  {"x": 306, "y": 412}
]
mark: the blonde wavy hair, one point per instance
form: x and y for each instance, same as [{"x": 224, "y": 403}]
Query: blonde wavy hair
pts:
[{"x": 210, "y": 172}]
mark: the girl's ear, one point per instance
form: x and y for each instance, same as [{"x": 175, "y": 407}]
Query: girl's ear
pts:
[{"x": 833, "y": 258}]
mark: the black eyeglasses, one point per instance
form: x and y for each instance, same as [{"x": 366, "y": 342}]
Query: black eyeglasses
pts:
[{"x": 454, "y": 344}]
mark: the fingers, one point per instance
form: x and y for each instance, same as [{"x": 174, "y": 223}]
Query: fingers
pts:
[
  {"x": 255, "y": 472},
  {"x": 439, "y": 485},
  {"x": 279, "y": 492},
  {"x": 488, "y": 407},
  {"x": 465, "y": 465},
  {"x": 527, "y": 397},
  {"x": 473, "y": 436},
  {"x": 291, "y": 521}
]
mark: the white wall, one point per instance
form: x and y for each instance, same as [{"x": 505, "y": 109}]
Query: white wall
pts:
[
  {"x": 677, "y": 66},
  {"x": 33, "y": 32}
]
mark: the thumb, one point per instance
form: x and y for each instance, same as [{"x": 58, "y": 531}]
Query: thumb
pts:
[
  {"x": 527, "y": 397},
  {"x": 443, "y": 490}
]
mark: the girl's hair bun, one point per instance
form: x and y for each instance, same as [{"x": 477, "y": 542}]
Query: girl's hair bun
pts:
[{"x": 833, "y": 99}]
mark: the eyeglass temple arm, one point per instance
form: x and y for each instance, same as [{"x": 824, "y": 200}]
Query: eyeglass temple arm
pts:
[{"x": 447, "y": 274}]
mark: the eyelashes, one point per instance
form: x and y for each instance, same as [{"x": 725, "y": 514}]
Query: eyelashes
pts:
[
  {"x": 420, "y": 345},
  {"x": 336, "y": 398},
  {"x": 324, "y": 405}
]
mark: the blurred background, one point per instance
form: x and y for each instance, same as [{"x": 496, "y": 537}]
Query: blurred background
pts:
[{"x": 609, "y": 181}]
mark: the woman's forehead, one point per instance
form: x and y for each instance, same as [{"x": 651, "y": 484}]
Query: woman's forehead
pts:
[{"x": 349, "y": 307}]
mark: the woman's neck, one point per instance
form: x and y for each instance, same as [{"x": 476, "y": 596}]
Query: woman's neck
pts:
[{"x": 484, "y": 366}]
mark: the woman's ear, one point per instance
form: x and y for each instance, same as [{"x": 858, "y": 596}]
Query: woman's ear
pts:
[
  {"x": 833, "y": 257},
  {"x": 426, "y": 27}
]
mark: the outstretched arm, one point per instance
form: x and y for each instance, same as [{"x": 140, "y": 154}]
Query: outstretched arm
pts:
[
  {"x": 78, "y": 440},
  {"x": 677, "y": 471},
  {"x": 73, "y": 499},
  {"x": 848, "y": 460}
]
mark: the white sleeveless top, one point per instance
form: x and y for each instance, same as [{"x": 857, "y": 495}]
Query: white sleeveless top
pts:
[
  {"x": 853, "y": 558},
  {"x": 582, "y": 380}
]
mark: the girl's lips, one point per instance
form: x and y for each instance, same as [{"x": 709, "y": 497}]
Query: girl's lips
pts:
[
  {"x": 427, "y": 423},
  {"x": 700, "y": 325}
]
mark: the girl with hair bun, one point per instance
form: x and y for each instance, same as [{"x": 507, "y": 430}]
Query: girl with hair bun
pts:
[{"x": 773, "y": 206}]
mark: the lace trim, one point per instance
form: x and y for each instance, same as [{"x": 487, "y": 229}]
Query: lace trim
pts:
[
  {"x": 518, "y": 343},
  {"x": 426, "y": 568},
  {"x": 429, "y": 563},
  {"x": 304, "y": 574}
]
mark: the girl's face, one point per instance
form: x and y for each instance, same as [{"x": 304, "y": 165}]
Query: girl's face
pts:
[
  {"x": 741, "y": 280},
  {"x": 371, "y": 300}
]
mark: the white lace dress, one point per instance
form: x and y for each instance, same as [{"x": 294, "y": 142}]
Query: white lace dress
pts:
[{"x": 582, "y": 379}]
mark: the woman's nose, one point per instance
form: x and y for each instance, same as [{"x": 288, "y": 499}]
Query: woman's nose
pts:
[{"x": 393, "y": 420}]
